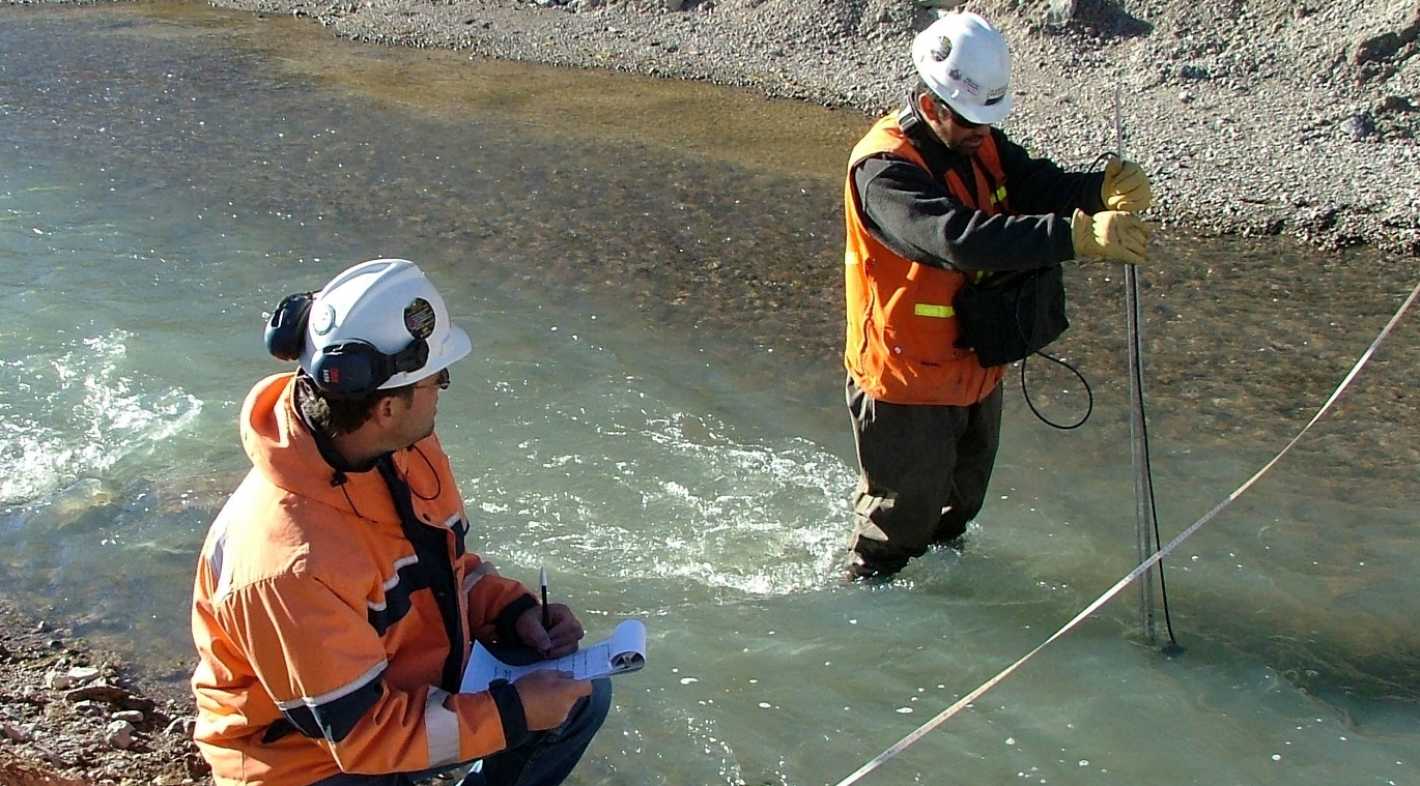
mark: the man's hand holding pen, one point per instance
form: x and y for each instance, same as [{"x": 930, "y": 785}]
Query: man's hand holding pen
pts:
[{"x": 553, "y": 642}]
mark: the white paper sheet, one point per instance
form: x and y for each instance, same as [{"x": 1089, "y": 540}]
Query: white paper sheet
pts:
[{"x": 624, "y": 651}]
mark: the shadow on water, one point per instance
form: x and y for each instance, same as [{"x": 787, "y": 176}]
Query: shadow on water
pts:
[{"x": 709, "y": 221}]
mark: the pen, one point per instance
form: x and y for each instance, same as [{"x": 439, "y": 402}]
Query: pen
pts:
[{"x": 542, "y": 579}]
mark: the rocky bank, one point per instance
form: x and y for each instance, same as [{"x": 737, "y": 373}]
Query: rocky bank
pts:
[{"x": 71, "y": 717}]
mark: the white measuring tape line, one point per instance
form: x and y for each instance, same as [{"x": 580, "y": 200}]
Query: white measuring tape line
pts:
[{"x": 944, "y": 715}]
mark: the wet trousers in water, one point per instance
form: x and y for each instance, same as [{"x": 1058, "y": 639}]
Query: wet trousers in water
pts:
[
  {"x": 922, "y": 475},
  {"x": 544, "y": 760}
]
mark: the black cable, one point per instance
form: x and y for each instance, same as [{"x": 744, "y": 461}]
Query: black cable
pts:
[
  {"x": 1089, "y": 394},
  {"x": 1025, "y": 389},
  {"x": 438, "y": 482},
  {"x": 1138, "y": 372},
  {"x": 348, "y": 500}
]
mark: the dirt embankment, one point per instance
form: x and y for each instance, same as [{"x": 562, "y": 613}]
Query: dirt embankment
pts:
[{"x": 1270, "y": 117}]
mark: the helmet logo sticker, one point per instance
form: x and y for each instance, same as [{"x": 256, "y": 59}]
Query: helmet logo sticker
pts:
[
  {"x": 967, "y": 82},
  {"x": 323, "y": 320},
  {"x": 943, "y": 50},
  {"x": 419, "y": 318}
]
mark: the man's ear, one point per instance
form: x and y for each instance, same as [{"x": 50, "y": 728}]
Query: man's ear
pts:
[
  {"x": 927, "y": 107},
  {"x": 386, "y": 411}
]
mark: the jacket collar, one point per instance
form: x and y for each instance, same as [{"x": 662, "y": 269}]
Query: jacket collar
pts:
[{"x": 285, "y": 450}]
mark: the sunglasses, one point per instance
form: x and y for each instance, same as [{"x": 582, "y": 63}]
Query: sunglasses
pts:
[
  {"x": 441, "y": 379},
  {"x": 959, "y": 121}
]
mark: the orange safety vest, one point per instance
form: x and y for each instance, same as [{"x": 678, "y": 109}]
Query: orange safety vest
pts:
[{"x": 902, "y": 327}]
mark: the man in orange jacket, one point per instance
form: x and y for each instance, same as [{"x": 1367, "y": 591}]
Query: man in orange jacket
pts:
[
  {"x": 937, "y": 201},
  {"x": 335, "y": 600}
]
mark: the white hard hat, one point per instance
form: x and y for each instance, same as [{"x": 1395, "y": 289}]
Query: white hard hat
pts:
[
  {"x": 963, "y": 59},
  {"x": 390, "y": 305}
]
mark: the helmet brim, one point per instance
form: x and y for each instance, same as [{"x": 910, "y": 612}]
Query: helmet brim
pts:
[{"x": 990, "y": 115}]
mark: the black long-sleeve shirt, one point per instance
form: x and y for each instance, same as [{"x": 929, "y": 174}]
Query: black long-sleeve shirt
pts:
[{"x": 911, "y": 211}]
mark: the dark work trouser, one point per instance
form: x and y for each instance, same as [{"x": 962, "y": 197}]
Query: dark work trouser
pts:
[
  {"x": 545, "y": 760},
  {"x": 922, "y": 474}
]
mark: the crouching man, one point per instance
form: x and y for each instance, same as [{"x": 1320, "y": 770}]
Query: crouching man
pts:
[{"x": 335, "y": 600}]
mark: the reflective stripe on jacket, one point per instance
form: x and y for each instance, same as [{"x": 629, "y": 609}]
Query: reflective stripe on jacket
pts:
[
  {"x": 322, "y": 647},
  {"x": 902, "y": 332}
]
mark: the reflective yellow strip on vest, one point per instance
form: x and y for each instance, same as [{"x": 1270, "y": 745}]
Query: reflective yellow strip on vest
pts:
[
  {"x": 999, "y": 196},
  {"x": 931, "y": 310}
]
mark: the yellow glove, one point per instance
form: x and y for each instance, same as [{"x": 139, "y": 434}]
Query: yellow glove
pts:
[
  {"x": 1112, "y": 234},
  {"x": 1126, "y": 187}
]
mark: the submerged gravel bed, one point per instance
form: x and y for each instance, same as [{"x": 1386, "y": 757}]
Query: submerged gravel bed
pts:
[{"x": 1276, "y": 117}]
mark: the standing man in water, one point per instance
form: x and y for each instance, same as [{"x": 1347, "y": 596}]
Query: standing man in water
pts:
[
  {"x": 939, "y": 203},
  {"x": 335, "y": 601}
]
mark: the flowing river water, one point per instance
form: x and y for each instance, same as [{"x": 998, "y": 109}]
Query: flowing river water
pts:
[{"x": 650, "y": 274}]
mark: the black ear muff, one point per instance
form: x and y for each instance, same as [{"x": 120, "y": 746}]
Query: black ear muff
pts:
[
  {"x": 351, "y": 369},
  {"x": 286, "y": 330}
]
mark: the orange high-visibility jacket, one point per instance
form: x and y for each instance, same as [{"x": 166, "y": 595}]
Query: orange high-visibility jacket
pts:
[
  {"x": 902, "y": 330},
  {"x": 322, "y": 647}
]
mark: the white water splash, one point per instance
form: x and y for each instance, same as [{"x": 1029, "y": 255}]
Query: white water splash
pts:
[
  {"x": 681, "y": 496},
  {"x": 77, "y": 413}
]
